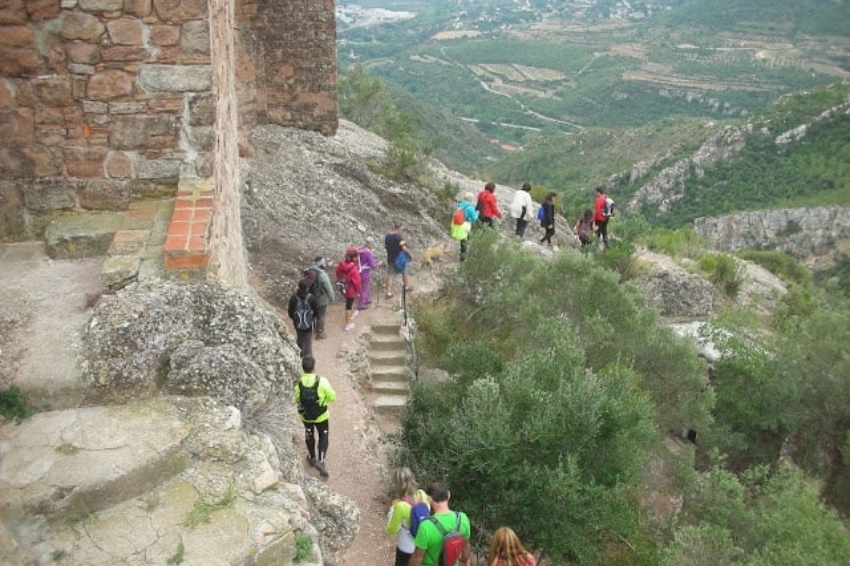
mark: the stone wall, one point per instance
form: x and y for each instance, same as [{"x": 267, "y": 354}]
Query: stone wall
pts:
[
  {"x": 103, "y": 101},
  {"x": 818, "y": 236}
]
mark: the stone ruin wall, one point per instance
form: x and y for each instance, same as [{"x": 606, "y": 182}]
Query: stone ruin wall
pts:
[{"x": 105, "y": 101}]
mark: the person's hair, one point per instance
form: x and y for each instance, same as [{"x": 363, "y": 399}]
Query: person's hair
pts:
[
  {"x": 467, "y": 196},
  {"x": 308, "y": 364},
  {"x": 600, "y": 190},
  {"x": 438, "y": 492},
  {"x": 588, "y": 214},
  {"x": 370, "y": 241},
  {"x": 491, "y": 186},
  {"x": 304, "y": 286},
  {"x": 526, "y": 187},
  {"x": 551, "y": 195},
  {"x": 397, "y": 226},
  {"x": 404, "y": 482},
  {"x": 507, "y": 548}
]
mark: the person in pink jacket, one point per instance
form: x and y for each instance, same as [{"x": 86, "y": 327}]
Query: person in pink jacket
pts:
[{"x": 348, "y": 278}]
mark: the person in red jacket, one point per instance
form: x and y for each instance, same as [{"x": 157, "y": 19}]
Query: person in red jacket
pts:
[
  {"x": 489, "y": 205},
  {"x": 599, "y": 217},
  {"x": 348, "y": 276}
]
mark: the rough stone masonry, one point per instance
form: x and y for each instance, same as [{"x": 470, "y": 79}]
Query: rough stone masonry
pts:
[{"x": 103, "y": 101}]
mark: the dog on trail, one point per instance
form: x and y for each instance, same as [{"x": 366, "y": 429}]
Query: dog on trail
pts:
[{"x": 434, "y": 254}]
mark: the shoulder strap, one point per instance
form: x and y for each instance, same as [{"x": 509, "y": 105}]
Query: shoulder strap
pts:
[{"x": 441, "y": 528}]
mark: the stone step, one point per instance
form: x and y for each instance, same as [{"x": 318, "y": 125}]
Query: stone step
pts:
[
  {"x": 388, "y": 358},
  {"x": 391, "y": 387},
  {"x": 78, "y": 236},
  {"x": 388, "y": 343},
  {"x": 390, "y": 373},
  {"x": 387, "y": 327},
  {"x": 92, "y": 464},
  {"x": 390, "y": 403}
]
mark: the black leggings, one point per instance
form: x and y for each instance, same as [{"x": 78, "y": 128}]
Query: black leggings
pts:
[{"x": 310, "y": 439}]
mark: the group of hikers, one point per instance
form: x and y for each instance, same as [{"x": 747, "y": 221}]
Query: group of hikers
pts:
[
  {"x": 429, "y": 533},
  {"x": 307, "y": 308},
  {"x": 486, "y": 209}
]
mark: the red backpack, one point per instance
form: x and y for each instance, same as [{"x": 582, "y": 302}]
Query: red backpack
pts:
[
  {"x": 453, "y": 542},
  {"x": 458, "y": 217}
]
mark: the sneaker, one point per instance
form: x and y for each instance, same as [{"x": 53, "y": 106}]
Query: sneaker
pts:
[
  {"x": 311, "y": 461},
  {"x": 322, "y": 469},
  {"x": 321, "y": 336},
  {"x": 349, "y": 326}
]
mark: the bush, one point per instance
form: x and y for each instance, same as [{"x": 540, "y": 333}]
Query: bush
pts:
[
  {"x": 13, "y": 405},
  {"x": 723, "y": 271},
  {"x": 783, "y": 265}
]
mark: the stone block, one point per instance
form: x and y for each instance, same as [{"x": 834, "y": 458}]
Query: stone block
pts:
[
  {"x": 83, "y": 53},
  {"x": 16, "y": 127},
  {"x": 118, "y": 165},
  {"x": 17, "y": 36},
  {"x": 45, "y": 195},
  {"x": 140, "y": 132},
  {"x": 135, "y": 107},
  {"x": 195, "y": 39},
  {"x": 120, "y": 270},
  {"x": 201, "y": 109},
  {"x": 175, "y": 78},
  {"x": 124, "y": 53},
  {"x": 101, "y": 5},
  {"x": 42, "y": 9},
  {"x": 16, "y": 61},
  {"x": 84, "y": 161},
  {"x": 125, "y": 31},
  {"x": 81, "y": 236},
  {"x": 139, "y": 8},
  {"x": 158, "y": 168},
  {"x": 52, "y": 91},
  {"x": 79, "y": 69},
  {"x": 128, "y": 242},
  {"x": 180, "y": 10},
  {"x": 12, "y": 13},
  {"x": 162, "y": 34},
  {"x": 104, "y": 194},
  {"x": 109, "y": 84},
  {"x": 82, "y": 26},
  {"x": 12, "y": 212}
]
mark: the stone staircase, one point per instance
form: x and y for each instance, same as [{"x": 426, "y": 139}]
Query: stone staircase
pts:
[{"x": 389, "y": 358}]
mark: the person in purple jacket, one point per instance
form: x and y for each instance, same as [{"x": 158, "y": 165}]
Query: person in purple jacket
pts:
[{"x": 368, "y": 263}]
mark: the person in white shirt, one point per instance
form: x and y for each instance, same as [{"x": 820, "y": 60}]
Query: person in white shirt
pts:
[{"x": 522, "y": 208}]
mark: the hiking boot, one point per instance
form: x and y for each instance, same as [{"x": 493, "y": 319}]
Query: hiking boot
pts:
[
  {"x": 323, "y": 471},
  {"x": 321, "y": 336},
  {"x": 311, "y": 461}
]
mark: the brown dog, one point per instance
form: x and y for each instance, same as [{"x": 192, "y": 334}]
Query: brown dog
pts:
[{"x": 433, "y": 254}]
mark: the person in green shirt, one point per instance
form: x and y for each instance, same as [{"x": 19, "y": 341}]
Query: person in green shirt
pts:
[
  {"x": 312, "y": 399},
  {"x": 429, "y": 540}
]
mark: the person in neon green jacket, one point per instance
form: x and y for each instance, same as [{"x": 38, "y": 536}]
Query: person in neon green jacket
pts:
[
  {"x": 312, "y": 399},
  {"x": 465, "y": 215},
  {"x": 398, "y": 517}
]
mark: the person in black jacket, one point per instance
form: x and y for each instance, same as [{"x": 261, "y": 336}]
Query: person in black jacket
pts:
[
  {"x": 548, "y": 220},
  {"x": 302, "y": 309}
]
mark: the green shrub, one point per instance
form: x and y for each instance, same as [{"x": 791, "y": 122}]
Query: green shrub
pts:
[
  {"x": 303, "y": 547},
  {"x": 781, "y": 264},
  {"x": 723, "y": 271},
  {"x": 13, "y": 405},
  {"x": 683, "y": 242}
]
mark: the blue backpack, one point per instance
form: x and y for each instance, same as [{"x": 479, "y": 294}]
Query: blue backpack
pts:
[{"x": 419, "y": 512}]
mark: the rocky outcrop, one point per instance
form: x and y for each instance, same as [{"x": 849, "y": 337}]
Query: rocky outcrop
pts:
[
  {"x": 669, "y": 184},
  {"x": 160, "y": 481},
  {"x": 818, "y": 236},
  {"x": 673, "y": 290},
  {"x": 189, "y": 339}
]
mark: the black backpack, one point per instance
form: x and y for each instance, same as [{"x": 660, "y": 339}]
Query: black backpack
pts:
[
  {"x": 316, "y": 288},
  {"x": 303, "y": 313},
  {"x": 308, "y": 401}
]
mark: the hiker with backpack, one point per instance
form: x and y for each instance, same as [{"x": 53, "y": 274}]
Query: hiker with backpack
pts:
[
  {"x": 547, "y": 220},
  {"x": 301, "y": 309},
  {"x": 584, "y": 227},
  {"x": 312, "y": 395},
  {"x": 462, "y": 219},
  {"x": 507, "y": 550},
  {"x": 321, "y": 288},
  {"x": 444, "y": 538},
  {"x": 488, "y": 206},
  {"x": 348, "y": 280},
  {"x": 522, "y": 208},
  {"x": 368, "y": 264},
  {"x": 398, "y": 256},
  {"x": 409, "y": 509},
  {"x": 603, "y": 210}
]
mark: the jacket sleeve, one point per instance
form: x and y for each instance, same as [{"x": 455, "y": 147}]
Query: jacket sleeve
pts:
[
  {"x": 290, "y": 310},
  {"x": 469, "y": 213},
  {"x": 326, "y": 283},
  {"x": 326, "y": 392},
  {"x": 395, "y": 517}
]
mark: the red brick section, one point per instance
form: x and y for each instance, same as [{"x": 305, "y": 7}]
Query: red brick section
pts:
[{"x": 186, "y": 246}]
